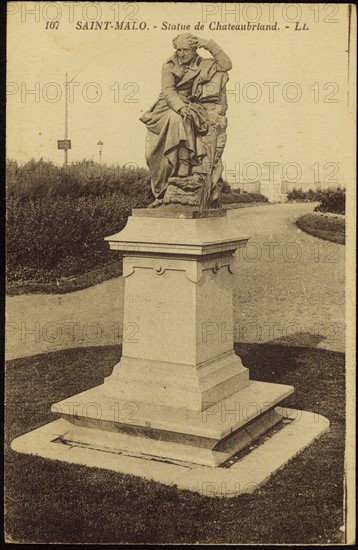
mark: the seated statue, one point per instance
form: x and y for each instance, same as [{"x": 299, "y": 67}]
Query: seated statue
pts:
[{"x": 187, "y": 126}]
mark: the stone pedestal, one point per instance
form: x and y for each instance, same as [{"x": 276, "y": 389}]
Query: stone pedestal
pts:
[
  {"x": 178, "y": 303},
  {"x": 179, "y": 391},
  {"x": 179, "y": 404}
]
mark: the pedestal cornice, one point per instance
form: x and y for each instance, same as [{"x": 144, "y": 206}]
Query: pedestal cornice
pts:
[{"x": 177, "y": 236}]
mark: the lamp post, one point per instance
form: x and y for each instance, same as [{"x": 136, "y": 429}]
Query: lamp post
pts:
[
  {"x": 100, "y": 145},
  {"x": 65, "y": 144},
  {"x": 66, "y": 119}
]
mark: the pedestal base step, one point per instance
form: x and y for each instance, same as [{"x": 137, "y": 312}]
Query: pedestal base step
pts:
[
  {"x": 170, "y": 446},
  {"x": 206, "y": 437},
  {"x": 215, "y": 422},
  {"x": 177, "y": 386},
  {"x": 244, "y": 476}
]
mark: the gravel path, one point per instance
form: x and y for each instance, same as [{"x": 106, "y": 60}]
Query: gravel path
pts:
[{"x": 289, "y": 289}]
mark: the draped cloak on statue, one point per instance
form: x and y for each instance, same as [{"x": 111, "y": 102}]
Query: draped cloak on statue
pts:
[{"x": 200, "y": 84}]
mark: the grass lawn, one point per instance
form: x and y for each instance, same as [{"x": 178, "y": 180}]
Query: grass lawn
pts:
[
  {"x": 49, "y": 501},
  {"x": 66, "y": 284},
  {"x": 328, "y": 228}
]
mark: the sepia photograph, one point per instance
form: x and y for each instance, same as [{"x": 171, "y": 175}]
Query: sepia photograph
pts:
[{"x": 180, "y": 273}]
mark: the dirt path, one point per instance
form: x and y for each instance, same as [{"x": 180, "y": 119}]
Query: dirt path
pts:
[
  {"x": 290, "y": 285},
  {"x": 39, "y": 323},
  {"x": 289, "y": 288}
]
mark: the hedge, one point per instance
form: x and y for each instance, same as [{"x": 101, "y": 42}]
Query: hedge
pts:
[{"x": 332, "y": 200}]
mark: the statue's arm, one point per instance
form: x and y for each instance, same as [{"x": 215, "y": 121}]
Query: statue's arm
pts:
[
  {"x": 223, "y": 62},
  {"x": 168, "y": 90}
]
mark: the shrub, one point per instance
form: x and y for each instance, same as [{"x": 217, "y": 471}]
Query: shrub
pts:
[
  {"x": 225, "y": 187},
  {"x": 332, "y": 200},
  {"x": 297, "y": 194},
  {"x": 243, "y": 197},
  {"x": 56, "y": 237},
  {"x": 57, "y": 217},
  {"x": 34, "y": 180},
  {"x": 310, "y": 196}
]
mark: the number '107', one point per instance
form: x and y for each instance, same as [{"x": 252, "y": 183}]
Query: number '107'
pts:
[{"x": 52, "y": 25}]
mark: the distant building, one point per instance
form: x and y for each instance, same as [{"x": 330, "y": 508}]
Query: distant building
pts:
[{"x": 275, "y": 189}]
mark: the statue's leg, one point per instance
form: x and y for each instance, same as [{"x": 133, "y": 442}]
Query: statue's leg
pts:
[
  {"x": 183, "y": 162},
  {"x": 160, "y": 164},
  {"x": 155, "y": 203}
]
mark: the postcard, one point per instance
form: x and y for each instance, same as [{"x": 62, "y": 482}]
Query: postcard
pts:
[{"x": 180, "y": 245}]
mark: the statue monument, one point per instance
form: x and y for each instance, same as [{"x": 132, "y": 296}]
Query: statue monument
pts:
[
  {"x": 187, "y": 126},
  {"x": 179, "y": 403}
]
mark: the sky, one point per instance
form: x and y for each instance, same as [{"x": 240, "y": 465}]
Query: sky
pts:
[{"x": 287, "y": 93}]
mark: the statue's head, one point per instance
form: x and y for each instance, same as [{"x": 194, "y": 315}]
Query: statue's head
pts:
[{"x": 186, "y": 45}]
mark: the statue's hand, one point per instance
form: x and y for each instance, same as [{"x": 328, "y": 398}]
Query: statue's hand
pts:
[
  {"x": 201, "y": 42},
  {"x": 184, "y": 111}
]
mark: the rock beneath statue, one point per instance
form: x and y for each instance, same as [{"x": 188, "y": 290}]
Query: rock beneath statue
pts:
[
  {"x": 189, "y": 183},
  {"x": 175, "y": 195},
  {"x": 186, "y": 191}
]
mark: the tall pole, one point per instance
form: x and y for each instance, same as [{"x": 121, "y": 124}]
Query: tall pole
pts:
[
  {"x": 66, "y": 118},
  {"x": 100, "y": 146}
]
